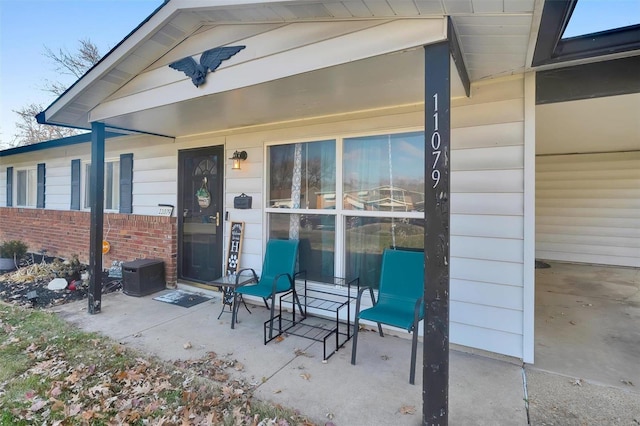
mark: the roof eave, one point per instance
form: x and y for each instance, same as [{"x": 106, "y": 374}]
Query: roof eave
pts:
[{"x": 55, "y": 143}]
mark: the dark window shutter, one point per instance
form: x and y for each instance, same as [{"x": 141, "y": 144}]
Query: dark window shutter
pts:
[
  {"x": 9, "y": 186},
  {"x": 126, "y": 183},
  {"x": 41, "y": 185},
  {"x": 75, "y": 184}
]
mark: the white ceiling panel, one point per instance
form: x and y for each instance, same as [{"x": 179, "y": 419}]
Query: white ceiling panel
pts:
[
  {"x": 283, "y": 12},
  {"x": 219, "y": 15},
  {"x": 487, "y": 71},
  {"x": 494, "y": 44},
  {"x": 379, "y": 7},
  {"x": 151, "y": 50},
  {"x": 403, "y": 8},
  {"x": 475, "y": 60},
  {"x": 428, "y": 7},
  {"x": 494, "y": 21},
  {"x": 220, "y": 35},
  {"x": 519, "y": 6},
  {"x": 259, "y": 14},
  {"x": 357, "y": 9},
  {"x": 486, "y": 30},
  {"x": 488, "y": 6},
  {"x": 309, "y": 11},
  {"x": 454, "y": 7}
]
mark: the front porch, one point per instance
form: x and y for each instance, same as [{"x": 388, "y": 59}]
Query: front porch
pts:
[
  {"x": 585, "y": 328},
  {"x": 291, "y": 372}
]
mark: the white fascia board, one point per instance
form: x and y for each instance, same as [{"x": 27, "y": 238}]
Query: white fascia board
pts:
[
  {"x": 112, "y": 58},
  {"x": 382, "y": 39}
]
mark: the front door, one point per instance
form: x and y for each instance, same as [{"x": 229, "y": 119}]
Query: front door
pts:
[{"x": 200, "y": 209}]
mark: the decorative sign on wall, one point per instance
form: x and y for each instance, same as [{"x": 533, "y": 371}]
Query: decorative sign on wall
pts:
[
  {"x": 235, "y": 247},
  {"x": 209, "y": 60},
  {"x": 165, "y": 210}
]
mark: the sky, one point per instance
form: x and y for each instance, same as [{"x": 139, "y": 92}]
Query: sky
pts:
[
  {"x": 591, "y": 16},
  {"x": 27, "y": 26}
]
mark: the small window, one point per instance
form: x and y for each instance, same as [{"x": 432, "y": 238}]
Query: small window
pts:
[
  {"x": 111, "y": 185},
  {"x": 304, "y": 185},
  {"x": 27, "y": 187}
]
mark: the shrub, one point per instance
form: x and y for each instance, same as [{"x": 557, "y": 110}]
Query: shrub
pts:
[{"x": 14, "y": 249}]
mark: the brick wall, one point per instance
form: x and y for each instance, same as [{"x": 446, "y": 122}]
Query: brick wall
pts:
[{"x": 65, "y": 233}]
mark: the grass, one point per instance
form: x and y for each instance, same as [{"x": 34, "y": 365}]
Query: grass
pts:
[{"x": 53, "y": 373}]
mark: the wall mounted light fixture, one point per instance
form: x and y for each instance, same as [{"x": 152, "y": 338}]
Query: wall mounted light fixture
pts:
[{"x": 237, "y": 157}]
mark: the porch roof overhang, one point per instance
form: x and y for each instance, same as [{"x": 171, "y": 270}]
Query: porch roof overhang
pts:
[{"x": 335, "y": 57}]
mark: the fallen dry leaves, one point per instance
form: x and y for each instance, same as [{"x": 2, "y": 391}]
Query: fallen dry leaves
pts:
[
  {"x": 114, "y": 386},
  {"x": 407, "y": 409}
]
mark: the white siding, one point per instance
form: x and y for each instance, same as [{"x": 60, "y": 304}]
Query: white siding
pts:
[
  {"x": 487, "y": 204},
  {"x": 588, "y": 208},
  {"x": 154, "y": 171},
  {"x": 58, "y": 183},
  {"x": 487, "y": 218}
]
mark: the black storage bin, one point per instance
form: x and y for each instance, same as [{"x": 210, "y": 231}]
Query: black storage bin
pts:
[{"x": 143, "y": 276}]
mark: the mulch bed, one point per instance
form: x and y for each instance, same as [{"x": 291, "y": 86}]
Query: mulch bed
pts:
[{"x": 16, "y": 292}]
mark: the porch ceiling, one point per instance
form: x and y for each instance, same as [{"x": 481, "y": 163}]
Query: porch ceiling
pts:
[
  {"x": 368, "y": 84},
  {"x": 495, "y": 37}
]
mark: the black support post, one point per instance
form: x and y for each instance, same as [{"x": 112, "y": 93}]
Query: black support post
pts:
[
  {"x": 435, "y": 387},
  {"x": 97, "y": 217}
]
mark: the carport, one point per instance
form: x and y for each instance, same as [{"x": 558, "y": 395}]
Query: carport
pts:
[
  {"x": 587, "y": 320},
  {"x": 588, "y": 222}
]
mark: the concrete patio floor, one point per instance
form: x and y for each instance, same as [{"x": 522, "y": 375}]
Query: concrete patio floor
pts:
[
  {"x": 376, "y": 391},
  {"x": 586, "y": 371},
  {"x": 587, "y": 353},
  {"x": 588, "y": 322}
]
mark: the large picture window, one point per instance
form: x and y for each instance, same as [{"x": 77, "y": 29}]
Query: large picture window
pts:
[
  {"x": 111, "y": 185},
  {"x": 347, "y": 200},
  {"x": 27, "y": 187}
]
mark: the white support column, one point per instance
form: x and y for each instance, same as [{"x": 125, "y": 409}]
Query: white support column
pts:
[{"x": 529, "y": 237}]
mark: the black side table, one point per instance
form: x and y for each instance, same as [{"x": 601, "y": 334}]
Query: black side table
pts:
[{"x": 228, "y": 284}]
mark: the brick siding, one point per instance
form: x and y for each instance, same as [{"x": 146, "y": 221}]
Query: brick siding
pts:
[{"x": 65, "y": 233}]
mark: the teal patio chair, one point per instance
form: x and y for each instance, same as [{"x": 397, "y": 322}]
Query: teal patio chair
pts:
[
  {"x": 278, "y": 276},
  {"x": 400, "y": 299}
]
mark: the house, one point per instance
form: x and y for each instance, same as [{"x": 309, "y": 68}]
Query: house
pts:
[{"x": 326, "y": 99}]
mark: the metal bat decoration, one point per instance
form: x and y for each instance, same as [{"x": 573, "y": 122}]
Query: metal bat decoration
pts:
[{"x": 210, "y": 60}]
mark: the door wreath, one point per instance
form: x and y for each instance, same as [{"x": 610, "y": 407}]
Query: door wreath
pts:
[{"x": 203, "y": 195}]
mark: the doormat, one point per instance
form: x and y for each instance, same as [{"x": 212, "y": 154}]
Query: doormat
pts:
[{"x": 182, "y": 298}]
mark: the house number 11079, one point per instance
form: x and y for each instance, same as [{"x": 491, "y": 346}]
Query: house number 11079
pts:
[{"x": 435, "y": 144}]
